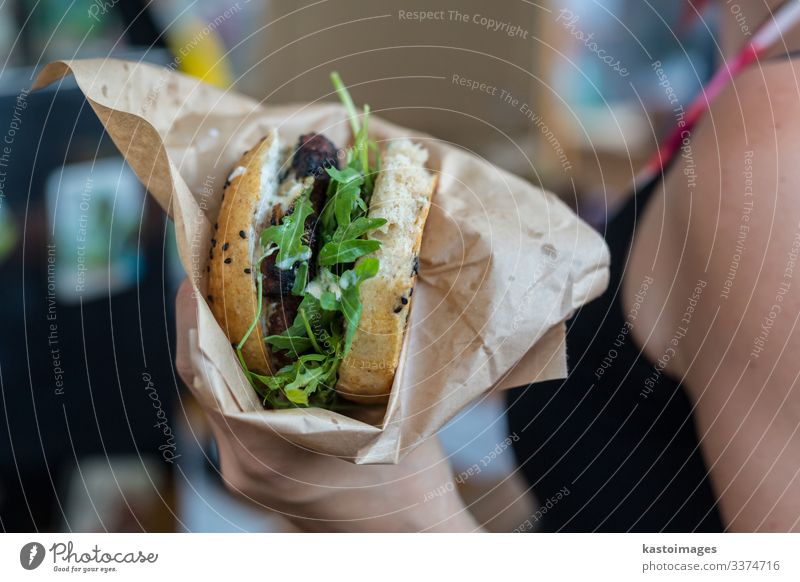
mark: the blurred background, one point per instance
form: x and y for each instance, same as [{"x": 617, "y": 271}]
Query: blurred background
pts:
[{"x": 96, "y": 432}]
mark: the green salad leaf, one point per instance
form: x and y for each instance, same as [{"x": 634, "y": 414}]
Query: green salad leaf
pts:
[
  {"x": 346, "y": 251},
  {"x": 351, "y": 302},
  {"x": 288, "y": 236}
]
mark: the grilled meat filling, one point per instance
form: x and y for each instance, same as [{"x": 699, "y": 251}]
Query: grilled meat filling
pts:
[{"x": 314, "y": 153}]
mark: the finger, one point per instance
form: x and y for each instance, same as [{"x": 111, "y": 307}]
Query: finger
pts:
[{"x": 185, "y": 320}]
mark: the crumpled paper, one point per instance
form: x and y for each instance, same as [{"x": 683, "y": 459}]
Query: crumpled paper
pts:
[{"x": 503, "y": 264}]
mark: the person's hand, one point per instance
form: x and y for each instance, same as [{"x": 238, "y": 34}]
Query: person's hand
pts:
[{"x": 323, "y": 493}]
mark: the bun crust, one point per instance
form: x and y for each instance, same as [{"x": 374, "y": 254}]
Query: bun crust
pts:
[
  {"x": 233, "y": 283},
  {"x": 402, "y": 196}
]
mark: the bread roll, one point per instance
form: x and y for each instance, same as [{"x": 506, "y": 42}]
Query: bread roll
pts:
[
  {"x": 247, "y": 203},
  {"x": 402, "y": 195}
]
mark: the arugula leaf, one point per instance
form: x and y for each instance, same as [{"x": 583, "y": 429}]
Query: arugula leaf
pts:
[
  {"x": 367, "y": 269},
  {"x": 347, "y": 101},
  {"x": 312, "y": 337},
  {"x": 362, "y": 150},
  {"x": 300, "y": 279},
  {"x": 345, "y": 176},
  {"x": 288, "y": 236},
  {"x": 351, "y": 302},
  {"x": 344, "y": 192},
  {"x": 359, "y": 227},
  {"x": 297, "y": 396},
  {"x": 305, "y": 377},
  {"x": 329, "y": 301},
  {"x": 345, "y": 201},
  {"x": 292, "y": 343},
  {"x": 346, "y": 251}
]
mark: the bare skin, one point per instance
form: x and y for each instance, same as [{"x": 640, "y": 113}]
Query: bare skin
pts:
[{"x": 738, "y": 360}]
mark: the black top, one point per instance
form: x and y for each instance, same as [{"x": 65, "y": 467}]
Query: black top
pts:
[{"x": 613, "y": 447}]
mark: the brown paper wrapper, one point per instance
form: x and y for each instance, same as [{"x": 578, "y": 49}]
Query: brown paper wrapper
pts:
[{"x": 503, "y": 263}]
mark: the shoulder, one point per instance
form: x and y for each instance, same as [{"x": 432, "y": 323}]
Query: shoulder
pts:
[
  {"x": 740, "y": 206},
  {"x": 721, "y": 242},
  {"x": 759, "y": 111},
  {"x": 722, "y": 237}
]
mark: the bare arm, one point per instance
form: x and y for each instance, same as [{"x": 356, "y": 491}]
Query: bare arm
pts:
[{"x": 728, "y": 225}]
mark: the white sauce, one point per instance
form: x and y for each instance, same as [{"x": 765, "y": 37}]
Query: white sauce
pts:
[
  {"x": 286, "y": 191},
  {"x": 287, "y": 263},
  {"x": 324, "y": 282},
  {"x": 314, "y": 288},
  {"x": 237, "y": 172}
]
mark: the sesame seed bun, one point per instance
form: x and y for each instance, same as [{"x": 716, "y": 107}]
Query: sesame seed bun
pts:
[
  {"x": 402, "y": 196},
  {"x": 235, "y": 250}
]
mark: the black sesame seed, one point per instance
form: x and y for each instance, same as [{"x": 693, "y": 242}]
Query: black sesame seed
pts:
[
  {"x": 225, "y": 247},
  {"x": 248, "y": 271},
  {"x": 242, "y": 234},
  {"x": 228, "y": 261},
  {"x": 404, "y": 300},
  {"x": 227, "y": 183},
  {"x": 213, "y": 242},
  {"x": 415, "y": 266},
  {"x": 410, "y": 292},
  {"x": 398, "y": 309}
]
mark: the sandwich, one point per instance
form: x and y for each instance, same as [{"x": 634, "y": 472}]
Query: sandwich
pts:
[{"x": 313, "y": 262}]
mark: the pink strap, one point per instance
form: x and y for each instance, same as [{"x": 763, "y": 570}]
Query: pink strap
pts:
[{"x": 783, "y": 19}]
